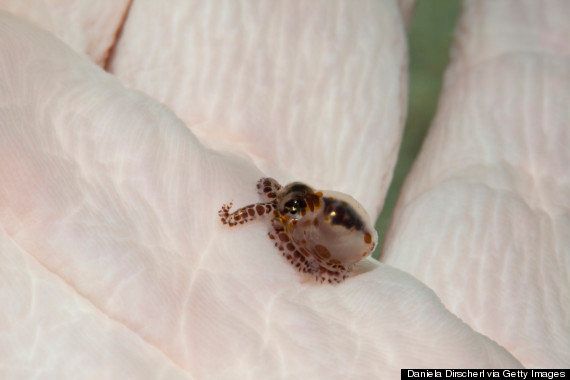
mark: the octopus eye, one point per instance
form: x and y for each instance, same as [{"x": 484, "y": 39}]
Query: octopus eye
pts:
[{"x": 294, "y": 206}]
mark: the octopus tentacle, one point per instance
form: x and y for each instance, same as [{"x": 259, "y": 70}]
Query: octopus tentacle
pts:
[
  {"x": 268, "y": 188},
  {"x": 298, "y": 256},
  {"x": 245, "y": 214}
]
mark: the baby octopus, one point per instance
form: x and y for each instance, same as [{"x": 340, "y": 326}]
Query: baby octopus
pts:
[{"x": 321, "y": 233}]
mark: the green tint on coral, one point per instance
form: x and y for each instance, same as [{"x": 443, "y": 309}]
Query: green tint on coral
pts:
[{"x": 429, "y": 39}]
